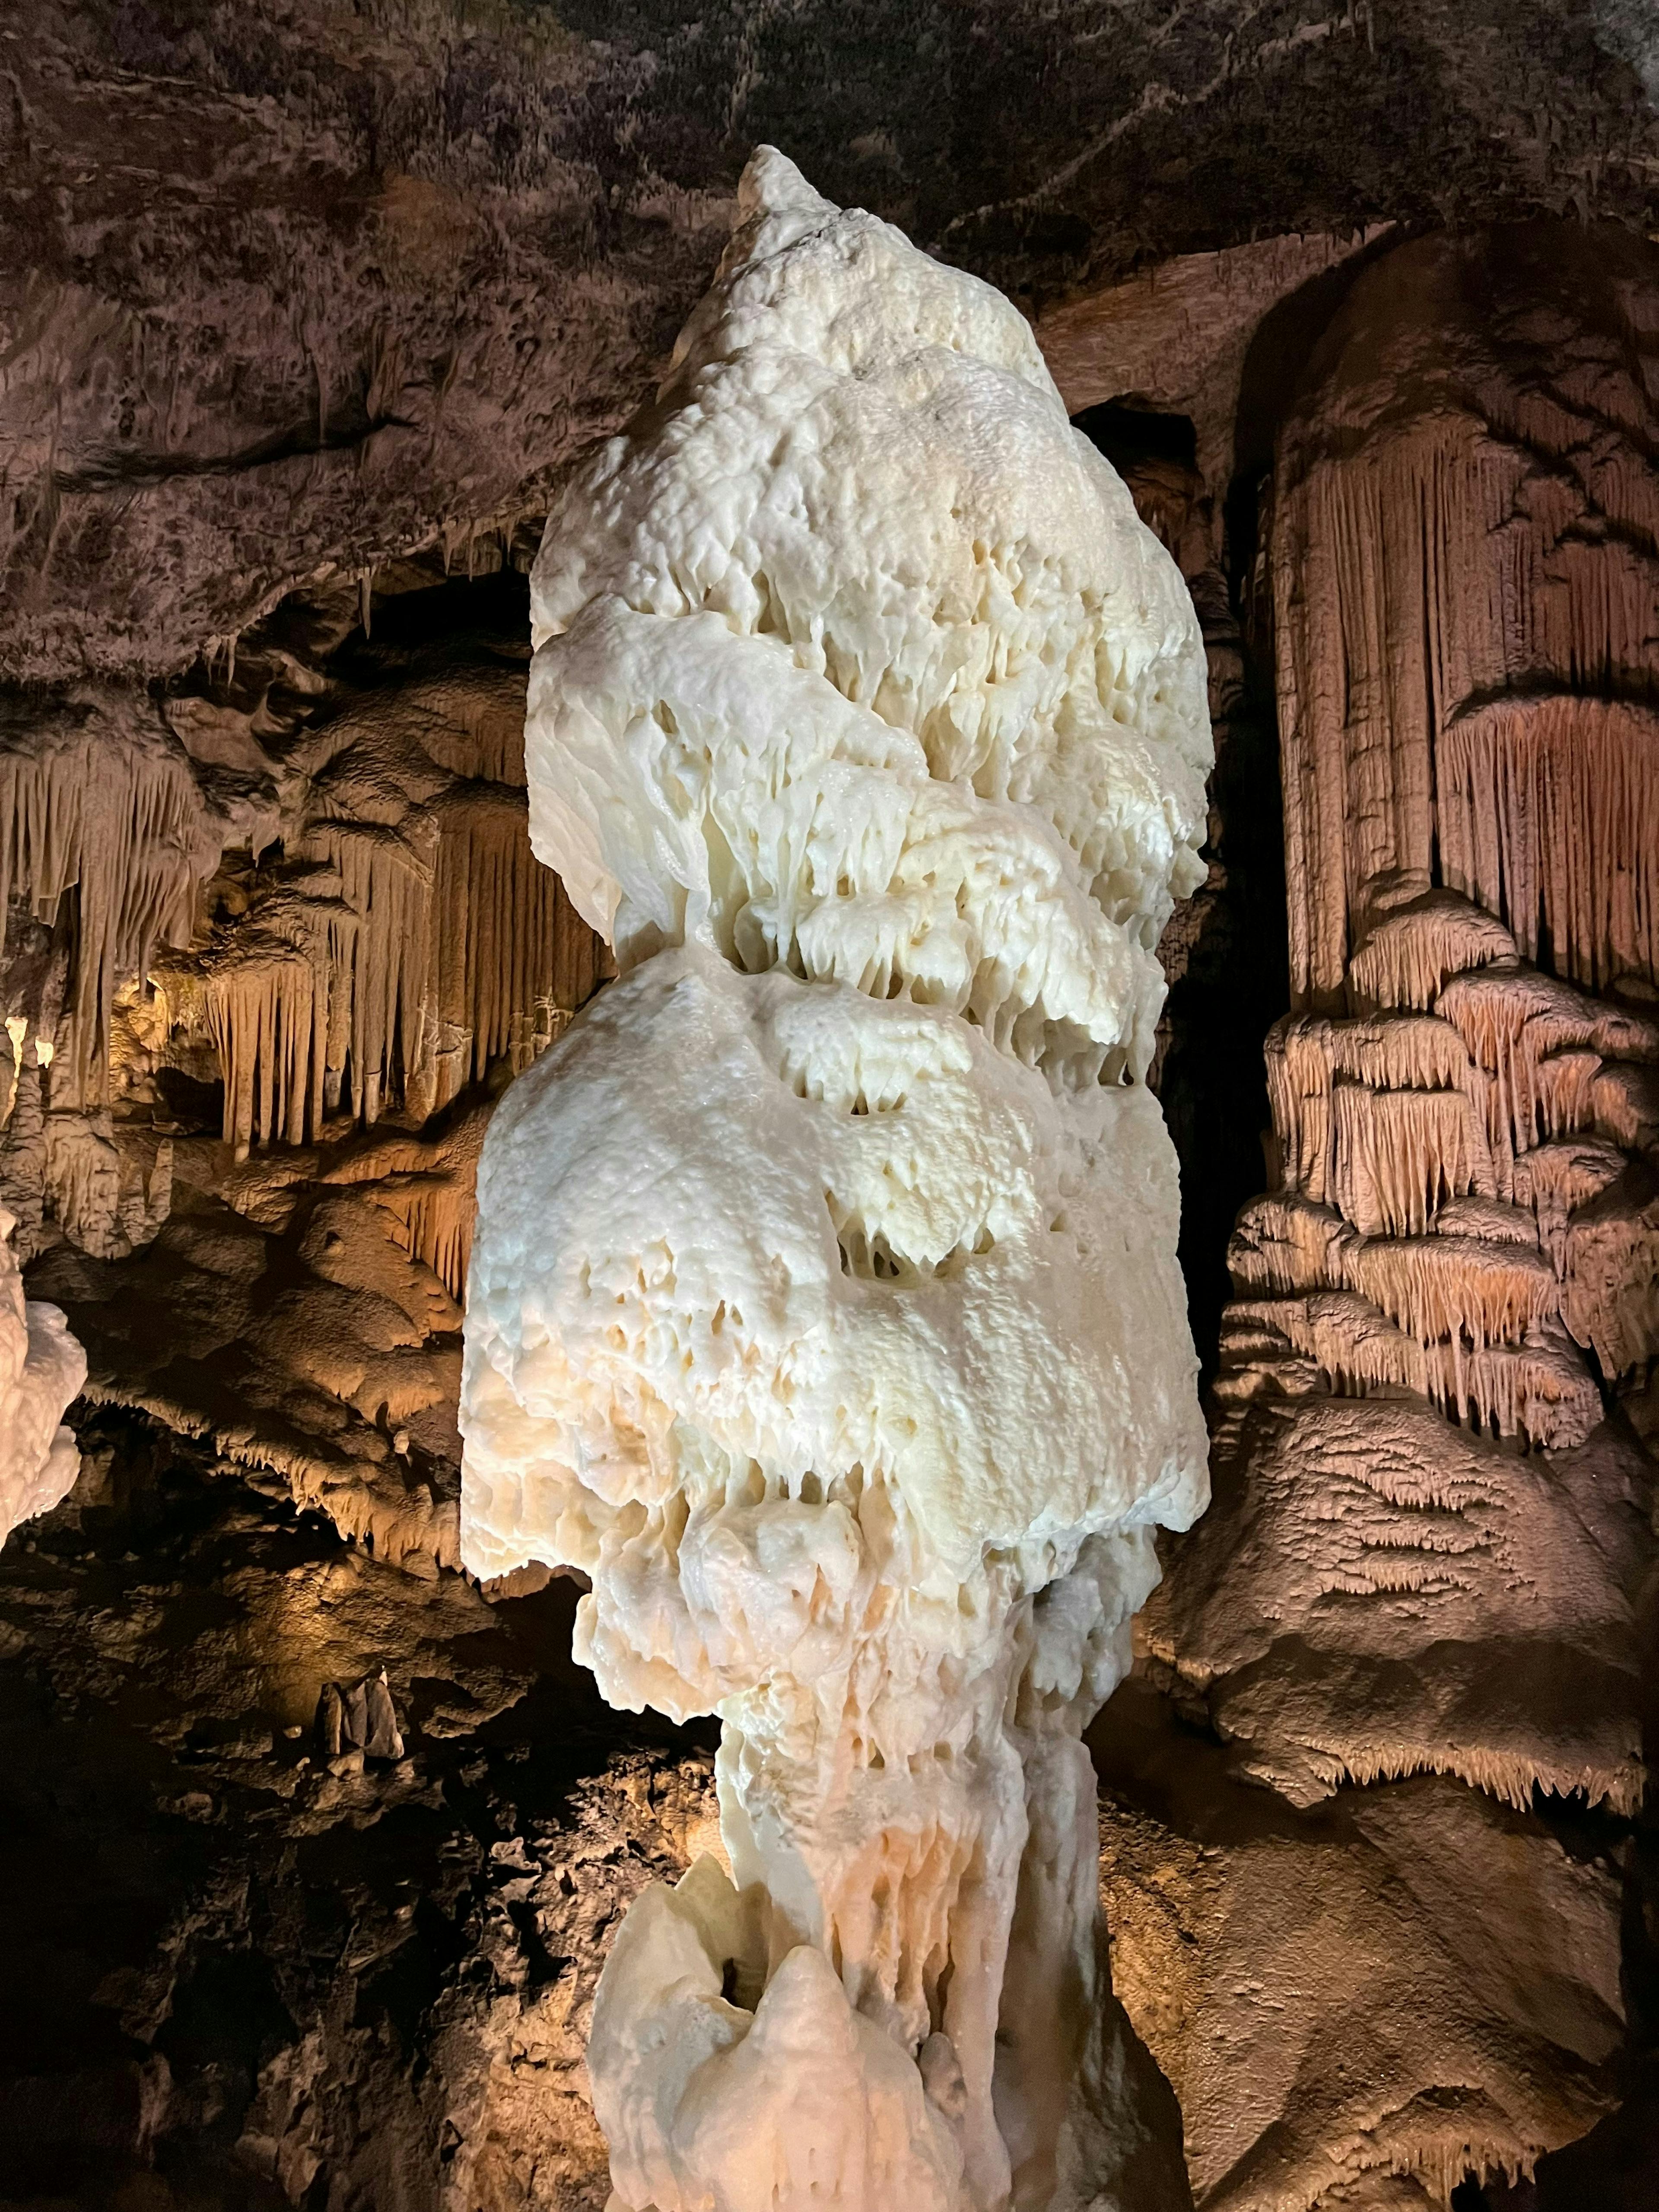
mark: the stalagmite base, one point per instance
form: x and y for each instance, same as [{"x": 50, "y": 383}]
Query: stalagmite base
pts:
[{"x": 824, "y": 1307}]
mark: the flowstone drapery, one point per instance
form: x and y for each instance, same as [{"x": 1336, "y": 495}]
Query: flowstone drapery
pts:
[
  {"x": 1428, "y": 1559},
  {"x": 824, "y": 1307}
]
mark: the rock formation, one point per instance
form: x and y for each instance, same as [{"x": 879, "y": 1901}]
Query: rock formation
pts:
[
  {"x": 823, "y": 1306},
  {"x": 1432, "y": 1524},
  {"x": 273, "y": 1961},
  {"x": 317, "y": 1842},
  {"x": 341, "y": 852},
  {"x": 1361, "y": 2006},
  {"x": 286, "y": 898},
  {"x": 41, "y": 1369},
  {"x": 1463, "y": 533},
  {"x": 309, "y": 299}
]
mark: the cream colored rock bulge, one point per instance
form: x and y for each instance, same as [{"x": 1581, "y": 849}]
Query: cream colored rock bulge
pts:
[
  {"x": 41, "y": 1369},
  {"x": 824, "y": 1307}
]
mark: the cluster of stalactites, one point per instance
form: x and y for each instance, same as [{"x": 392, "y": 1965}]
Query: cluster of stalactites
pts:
[
  {"x": 1456, "y": 1216},
  {"x": 1466, "y": 554},
  {"x": 115, "y": 816},
  {"x": 1388, "y": 1115},
  {"x": 444, "y": 946},
  {"x": 406, "y": 939},
  {"x": 1549, "y": 815}
]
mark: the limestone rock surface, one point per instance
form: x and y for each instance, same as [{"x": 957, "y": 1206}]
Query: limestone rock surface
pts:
[
  {"x": 291, "y": 894},
  {"x": 1431, "y": 1550},
  {"x": 1374, "y": 1595},
  {"x": 1360, "y": 2008},
  {"x": 311, "y": 296}
]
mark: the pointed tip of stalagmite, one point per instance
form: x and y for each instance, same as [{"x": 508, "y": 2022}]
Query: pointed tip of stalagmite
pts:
[{"x": 772, "y": 184}]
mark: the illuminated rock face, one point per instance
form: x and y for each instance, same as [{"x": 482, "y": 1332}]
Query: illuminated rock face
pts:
[
  {"x": 1428, "y": 1548},
  {"x": 1464, "y": 512},
  {"x": 1466, "y": 1230},
  {"x": 824, "y": 1307},
  {"x": 41, "y": 1368}
]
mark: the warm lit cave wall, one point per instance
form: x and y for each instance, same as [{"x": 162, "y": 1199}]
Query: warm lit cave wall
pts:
[
  {"x": 302, "y": 320},
  {"x": 277, "y": 940},
  {"x": 1416, "y": 1617}
]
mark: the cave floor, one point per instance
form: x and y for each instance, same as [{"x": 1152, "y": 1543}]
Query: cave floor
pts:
[
  {"x": 240, "y": 1974},
  {"x": 243, "y": 1975}
]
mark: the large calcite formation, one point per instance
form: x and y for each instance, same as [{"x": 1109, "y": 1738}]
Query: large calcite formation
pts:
[
  {"x": 1464, "y": 1238},
  {"x": 1393, "y": 1555},
  {"x": 823, "y": 1306},
  {"x": 41, "y": 1368},
  {"x": 1429, "y": 1548}
]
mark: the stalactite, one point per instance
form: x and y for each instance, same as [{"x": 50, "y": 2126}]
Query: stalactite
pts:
[
  {"x": 1610, "y": 1274},
  {"x": 1408, "y": 955},
  {"x": 385, "y": 879},
  {"x": 1555, "y": 1179},
  {"x": 1537, "y": 1391},
  {"x": 1549, "y": 816},
  {"x": 1403, "y": 1135},
  {"x": 410, "y": 939},
  {"x": 268, "y": 1016},
  {"x": 96, "y": 800},
  {"x": 1399, "y": 1155},
  {"x": 1288, "y": 1244},
  {"x": 437, "y": 1214},
  {"x": 1541, "y": 1041},
  {"x": 495, "y": 921},
  {"x": 1454, "y": 1290},
  {"x": 109, "y": 1187},
  {"x": 1382, "y": 1116}
]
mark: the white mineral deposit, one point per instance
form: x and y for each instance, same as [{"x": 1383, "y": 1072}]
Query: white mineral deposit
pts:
[
  {"x": 41, "y": 1369},
  {"x": 823, "y": 1308}
]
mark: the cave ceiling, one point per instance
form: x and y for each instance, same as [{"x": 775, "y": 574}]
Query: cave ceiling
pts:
[{"x": 309, "y": 285}]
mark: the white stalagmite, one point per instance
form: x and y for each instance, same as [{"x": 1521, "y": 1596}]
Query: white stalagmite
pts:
[
  {"x": 41, "y": 1369},
  {"x": 823, "y": 1308}
]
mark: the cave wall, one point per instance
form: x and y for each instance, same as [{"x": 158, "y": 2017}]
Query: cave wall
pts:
[
  {"x": 277, "y": 940},
  {"x": 1420, "y": 1594}
]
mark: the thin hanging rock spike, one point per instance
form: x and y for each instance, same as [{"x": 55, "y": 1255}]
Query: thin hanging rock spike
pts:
[{"x": 1549, "y": 817}]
